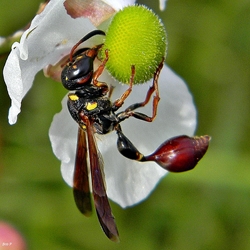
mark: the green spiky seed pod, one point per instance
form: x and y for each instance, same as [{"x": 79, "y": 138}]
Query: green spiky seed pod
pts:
[{"x": 136, "y": 36}]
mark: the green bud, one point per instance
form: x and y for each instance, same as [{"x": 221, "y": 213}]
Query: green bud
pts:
[{"x": 136, "y": 36}]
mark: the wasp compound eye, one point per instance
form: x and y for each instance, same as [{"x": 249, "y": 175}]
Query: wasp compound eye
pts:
[{"x": 80, "y": 72}]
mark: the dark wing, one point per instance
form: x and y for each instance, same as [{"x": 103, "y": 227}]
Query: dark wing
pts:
[
  {"x": 102, "y": 205},
  {"x": 81, "y": 189}
]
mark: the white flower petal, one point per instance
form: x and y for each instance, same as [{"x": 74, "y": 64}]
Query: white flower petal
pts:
[
  {"x": 63, "y": 137},
  {"x": 162, "y": 4},
  {"x": 129, "y": 182},
  {"x": 48, "y": 39},
  {"x": 117, "y": 5},
  {"x": 15, "y": 89}
]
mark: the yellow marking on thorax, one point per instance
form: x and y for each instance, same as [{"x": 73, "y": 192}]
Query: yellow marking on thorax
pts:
[
  {"x": 73, "y": 97},
  {"x": 91, "y": 105}
]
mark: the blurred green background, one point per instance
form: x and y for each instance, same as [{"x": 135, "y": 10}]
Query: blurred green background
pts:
[{"x": 207, "y": 208}]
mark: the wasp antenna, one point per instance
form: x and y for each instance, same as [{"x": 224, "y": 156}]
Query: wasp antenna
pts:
[{"x": 85, "y": 38}]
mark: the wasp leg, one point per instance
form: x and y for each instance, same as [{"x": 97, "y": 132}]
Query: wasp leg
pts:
[
  {"x": 119, "y": 102},
  {"x": 111, "y": 89},
  {"x": 152, "y": 89},
  {"x": 98, "y": 72},
  {"x": 124, "y": 115},
  {"x": 100, "y": 69}
]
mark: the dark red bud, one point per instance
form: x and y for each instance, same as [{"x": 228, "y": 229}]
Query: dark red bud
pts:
[{"x": 180, "y": 153}]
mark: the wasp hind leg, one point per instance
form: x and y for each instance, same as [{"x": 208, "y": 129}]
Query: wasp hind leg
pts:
[{"x": 153, "y": 89}]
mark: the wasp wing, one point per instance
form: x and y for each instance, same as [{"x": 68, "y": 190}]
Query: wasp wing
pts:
[
  {"x": 102, "y": 205},
  {"x": 81, "y": 188}
]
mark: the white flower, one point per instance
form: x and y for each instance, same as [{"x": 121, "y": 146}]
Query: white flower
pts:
[{"x": 50, "y": 37}]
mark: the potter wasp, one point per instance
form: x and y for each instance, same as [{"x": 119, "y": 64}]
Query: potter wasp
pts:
[{"x": 90, "y": 106}]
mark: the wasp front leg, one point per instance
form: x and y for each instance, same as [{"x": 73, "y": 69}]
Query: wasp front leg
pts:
[{"x": 98, "y": 72}]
